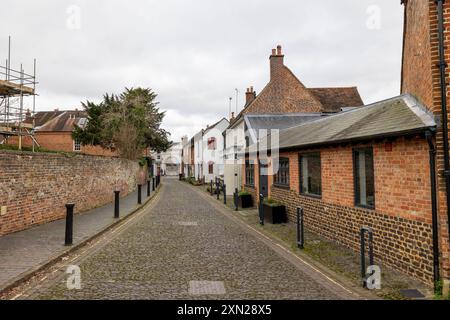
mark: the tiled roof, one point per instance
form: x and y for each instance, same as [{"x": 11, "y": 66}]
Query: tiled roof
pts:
[
  {"x": 256, "y": 122},
  {"x": 58, "y": 121},
  {"x": 334, "y": 99},
  {"x": 398, "y": 116}
]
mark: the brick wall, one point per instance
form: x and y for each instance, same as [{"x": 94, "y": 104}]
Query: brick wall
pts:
[
  {"x": 420, "y": 77},
  {"x": 35, "y": 187},
  {"x": 60, "y": 141},
  {"x": 402, "y": 218}
]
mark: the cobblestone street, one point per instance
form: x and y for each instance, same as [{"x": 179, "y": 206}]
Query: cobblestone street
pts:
[{"x": 183, "y": 247}]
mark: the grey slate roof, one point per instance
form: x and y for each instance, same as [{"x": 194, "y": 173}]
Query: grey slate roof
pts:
[
  {"x": 256, "y": 122},
  {"x": 393, "y": 117}
]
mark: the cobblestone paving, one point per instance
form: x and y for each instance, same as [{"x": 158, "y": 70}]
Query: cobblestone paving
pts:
[{"x": 182, "y": 242}]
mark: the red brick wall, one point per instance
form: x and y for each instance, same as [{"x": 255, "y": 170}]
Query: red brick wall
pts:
[
  {"x": 60, "y": 141},
  {"x": 35, "y": 187},
  {"x": 402, "y": 218},
  {"x": 420, "y": 77},
  {"x": 416, "y": 66}
]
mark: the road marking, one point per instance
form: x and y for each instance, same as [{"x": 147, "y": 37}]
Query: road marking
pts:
[{"x": 17, "y": 296}]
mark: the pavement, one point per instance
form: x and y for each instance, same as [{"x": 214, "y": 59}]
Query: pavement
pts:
[
  {"x": 184, "y": 246},
  {"x": 26, "y": 251}
]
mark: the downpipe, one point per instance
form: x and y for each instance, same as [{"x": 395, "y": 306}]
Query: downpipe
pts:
[
  {"x": 434, "y": 214},
  {"x": 442, "y": 68}
]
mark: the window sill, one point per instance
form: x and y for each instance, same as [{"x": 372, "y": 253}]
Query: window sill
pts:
[
  {"x": 250, "y": 186},
  {"x": 365, "y": 207},
  {"x": 281, "y": 186},
  {"x": 313, "y": 196}
]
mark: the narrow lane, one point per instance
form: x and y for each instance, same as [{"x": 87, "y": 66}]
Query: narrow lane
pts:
[{"x": 183, "y": 248}]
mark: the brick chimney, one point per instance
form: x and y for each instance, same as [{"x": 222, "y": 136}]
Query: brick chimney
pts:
[
  {"x": 276, "y": 62},
  {"x": 250, "y": 96}
]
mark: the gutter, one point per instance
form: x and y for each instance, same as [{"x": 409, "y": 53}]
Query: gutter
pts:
[
  {"x": 434, "y": 214},
  {"x": 442, "y": 68}
]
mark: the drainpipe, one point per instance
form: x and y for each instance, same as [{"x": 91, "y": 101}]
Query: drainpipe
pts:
[
  {"x": 434, "y": 213},
  {"x": 442, "y": 67}
]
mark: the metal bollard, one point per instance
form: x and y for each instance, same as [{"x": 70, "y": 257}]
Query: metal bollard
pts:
[
  {"x": 148, "y": 187},
  {"x": 369, "y": 231},
  {"x": 139, "y": 194},
  {"x": 300, "y": 229},
  {"x": 153, "y": 183},
  {"x": 69, "y": 224},
  {"x": 116, "y": 204},
  {"x": 211, "y": 190},
  {"x": 224, "y": 194},
  {"x": 218, "y": 189},
  {"x": 261, "y": 211},
  {"x": 236, "y": 199}
]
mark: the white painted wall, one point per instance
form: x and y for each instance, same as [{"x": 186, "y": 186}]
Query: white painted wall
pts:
[
  {"x": 214, "y": 156},
  {"x": 235, "y": 142}
]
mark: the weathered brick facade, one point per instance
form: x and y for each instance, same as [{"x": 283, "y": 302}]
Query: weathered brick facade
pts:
[
  {"x": 60, "y": 141},
  {"x": 421, "y": 78},
  {"x": 402, "y": 217},
  {"x": 35, "y": 187}
]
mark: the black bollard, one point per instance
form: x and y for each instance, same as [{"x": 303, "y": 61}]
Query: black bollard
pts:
[
  {"x": 261, "y": 211},
  {"x": 363, "y": 231},
  {"x": 236, "y": 199},
  {"x": 139, "y": 194},
  {"x": 212, "y": 192},
  {"x": 148, "y": 187},
  {"x": 218, "y": 190},
  {"x": 69, "y": 224},
  {"x": 116, "y": 204},
  {"x": 224, "y": 194},
  {"x": 153, "y": 184},
  {"x": 300, "y": 229}
]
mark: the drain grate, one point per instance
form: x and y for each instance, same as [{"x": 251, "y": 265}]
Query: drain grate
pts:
[
  {"x": 188, "y": 224},
  {"x": 206, "y": 287},
  {"x": 412, "y": 294}
]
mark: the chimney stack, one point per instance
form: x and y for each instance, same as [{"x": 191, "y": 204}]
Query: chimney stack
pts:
[
  {"x": 250, "y": 96},
  {"x": 276, "y": 62}
]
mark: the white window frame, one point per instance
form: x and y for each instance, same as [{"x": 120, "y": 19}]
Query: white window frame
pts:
[{"x": 76, "y": 146}]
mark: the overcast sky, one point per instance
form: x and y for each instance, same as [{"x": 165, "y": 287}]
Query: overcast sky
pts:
[{"x": 194, "y": 54}]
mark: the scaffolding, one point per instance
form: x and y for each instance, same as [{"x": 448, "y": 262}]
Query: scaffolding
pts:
[{"x": 16, "y": 120}]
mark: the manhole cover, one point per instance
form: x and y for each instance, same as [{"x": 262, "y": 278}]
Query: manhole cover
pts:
[
  {"x": 188, "y": 224},
  {"x": 206, "y": 287},
  {"x": 412, "y": 294}
]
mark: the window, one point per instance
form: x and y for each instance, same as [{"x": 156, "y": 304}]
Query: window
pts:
[
  {"x": 211, "y": 167},
  {"x": 249, "y": 173},
  {"x": 364, "y": 178},
  {"x": 212, "y": 144},
  {"x": 281, "y": 178},
  {"x": 76, "y": 145},
  {"x": 310, "y": 174}
]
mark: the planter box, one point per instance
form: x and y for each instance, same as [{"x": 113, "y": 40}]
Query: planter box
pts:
[
  {"x": 246, "y": 201},
  {"x": 274, "y": 214}
]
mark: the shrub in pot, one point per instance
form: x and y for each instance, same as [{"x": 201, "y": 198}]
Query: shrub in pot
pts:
[
  {"x": 274, "y": 212},
  {"x": 245, "y": 200}
]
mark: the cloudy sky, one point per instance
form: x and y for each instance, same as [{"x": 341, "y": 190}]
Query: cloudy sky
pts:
[{"x": 195, "y": 53}]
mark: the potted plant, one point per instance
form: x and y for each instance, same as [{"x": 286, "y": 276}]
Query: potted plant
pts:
[
  {"x": 245, "y": 199},
  {"x": 274, "y": 212}
]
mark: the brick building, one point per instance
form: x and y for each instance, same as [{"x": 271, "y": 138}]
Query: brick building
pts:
[
  {"x": 53, "y": 131},
  {"x": 284, "y": 102},
  {"x": 369, "y": 167},
  {"x": 426, "y": 55},
  {"x": 389, "y": 173}
]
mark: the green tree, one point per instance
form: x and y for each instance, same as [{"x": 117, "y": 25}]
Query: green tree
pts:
[{"x": 128, "y": 123}]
